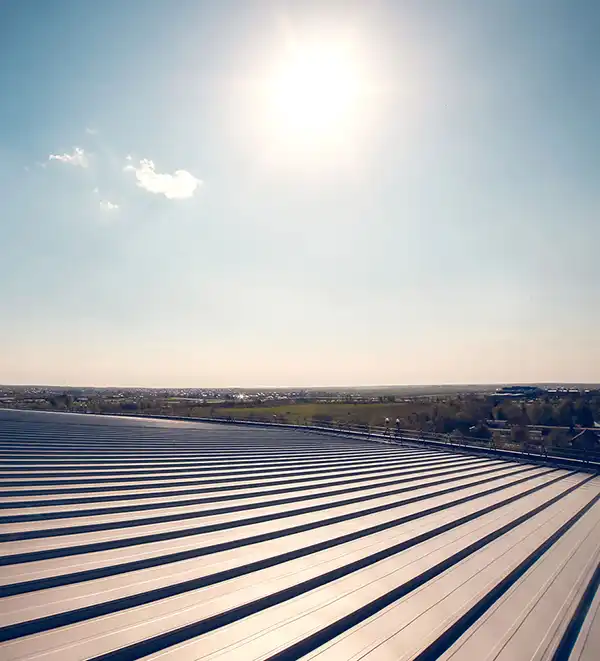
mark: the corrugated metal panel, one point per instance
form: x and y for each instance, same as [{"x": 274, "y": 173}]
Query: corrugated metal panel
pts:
[{"x": 126, "y": 538}]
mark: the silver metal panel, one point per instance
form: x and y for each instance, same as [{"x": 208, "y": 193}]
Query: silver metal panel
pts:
[{"x": 129, "y": 538}]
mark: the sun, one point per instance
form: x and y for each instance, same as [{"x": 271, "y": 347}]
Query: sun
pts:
[{"x": 315, "y": 90}]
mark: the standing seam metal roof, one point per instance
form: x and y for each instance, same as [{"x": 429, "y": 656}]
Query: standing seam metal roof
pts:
[{"x": 137, "y": 538}]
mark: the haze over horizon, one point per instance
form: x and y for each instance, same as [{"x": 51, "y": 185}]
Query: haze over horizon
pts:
[
  {"x": 299, "y": 192},
  {"x": 317, "y": 386}
]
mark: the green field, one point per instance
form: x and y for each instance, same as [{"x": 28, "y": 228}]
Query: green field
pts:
[{"x": 371, "y": 414}]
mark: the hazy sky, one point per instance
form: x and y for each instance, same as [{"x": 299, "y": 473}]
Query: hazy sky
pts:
[{"x": 268, "y": 192}]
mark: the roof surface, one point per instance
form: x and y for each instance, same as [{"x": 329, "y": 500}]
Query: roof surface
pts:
[{"x": 127, "y": 538}]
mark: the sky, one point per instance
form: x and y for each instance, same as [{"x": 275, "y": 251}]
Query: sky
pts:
[{"x": 308, "y": 192}]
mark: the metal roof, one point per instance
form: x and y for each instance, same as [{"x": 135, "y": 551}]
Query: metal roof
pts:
[{"x": 130, "y": 538}]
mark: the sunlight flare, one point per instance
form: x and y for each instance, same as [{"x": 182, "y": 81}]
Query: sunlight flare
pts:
[{"x": 315, "y": 91}]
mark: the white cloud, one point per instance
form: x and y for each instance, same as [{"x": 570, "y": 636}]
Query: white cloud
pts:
[
  {"x": 96, "y": 190},
  {"x": 105, "y": 205},
  {"x": 177, "y": 186},
  {"x": 91, "y": 131},
  {"x": 78, "y": 157}
]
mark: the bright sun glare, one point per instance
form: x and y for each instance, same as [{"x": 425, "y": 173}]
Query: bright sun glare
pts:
[{"x": 316, "y": 89}]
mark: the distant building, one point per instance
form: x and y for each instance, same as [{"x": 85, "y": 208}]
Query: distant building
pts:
[
  {"x": 497, "y": 424},
  {"x": 519, "y": 391}
]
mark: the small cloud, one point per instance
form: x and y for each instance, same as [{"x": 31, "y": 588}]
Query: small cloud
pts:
[
  {"x": 105, "y": 205},
  {"x": 91, "y": 131},
  {"x": 78, "y": 157},
  {"x": 129, "y": 157},
  {"x": 177, "y": 186},
  {"x": 96, "y": 190}
]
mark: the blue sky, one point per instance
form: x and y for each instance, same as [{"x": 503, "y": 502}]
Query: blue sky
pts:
[{"x": 171, "y": 217}]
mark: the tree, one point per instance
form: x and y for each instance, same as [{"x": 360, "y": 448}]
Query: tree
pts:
[
  {"x": 520, "y": 435},
  {"x": 564, "y": 413},
  {"x": 512, "y": 412},
  {"x": 558, "y": 438},
  {"x": 536, "y": 413},
  {"x": 463, "y": 423},
  {"x": 583, "y": 414},
  {"x": 498, "y": 413}
]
